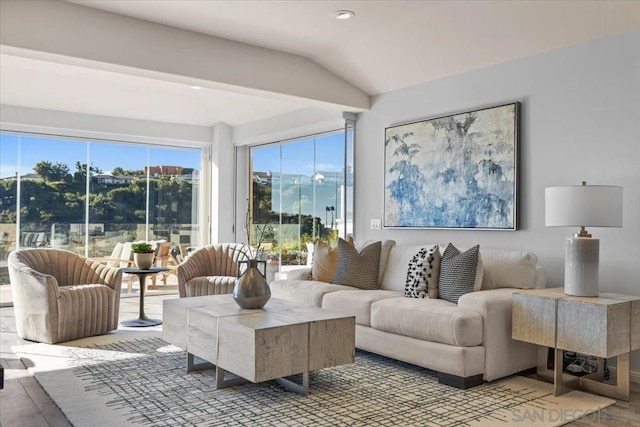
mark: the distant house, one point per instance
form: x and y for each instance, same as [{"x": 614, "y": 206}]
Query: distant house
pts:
[
  {"x": 31, "y": 177},
  {"x": 108, "y": 179},
  {"x": 190, "y": 177},
  {"x": 262, "y": 177},
  {"x": 164, "y": 170}
]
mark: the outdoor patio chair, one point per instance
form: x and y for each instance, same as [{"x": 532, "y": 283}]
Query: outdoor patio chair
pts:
[{"x": 121, "y": 257}]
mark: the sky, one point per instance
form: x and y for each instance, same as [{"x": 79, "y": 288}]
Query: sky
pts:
[
  {"x": 105, "y": 156},
  {"x": 299, "y": 157}
]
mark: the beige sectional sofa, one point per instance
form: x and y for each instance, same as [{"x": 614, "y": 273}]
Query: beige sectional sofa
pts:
[{"x": 465, "y": 343}]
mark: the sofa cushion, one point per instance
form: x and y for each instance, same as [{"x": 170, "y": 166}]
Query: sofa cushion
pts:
[
  {"x": 422, "y": 274},
  {"x": 356, "y": 302},
  {"x": 358, "y": 269},
  {"x": 305, "y": 292},
  {"x": 511, "y": 269},
  {"x": 325, "y": 262},
  {"x": 458, "y": 272},
  {"x": 428, "y": 319}
]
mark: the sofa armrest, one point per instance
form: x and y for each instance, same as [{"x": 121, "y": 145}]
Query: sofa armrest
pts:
[
  {"x": 299, "y": 274},
  {"x": 503, "y": 355}
]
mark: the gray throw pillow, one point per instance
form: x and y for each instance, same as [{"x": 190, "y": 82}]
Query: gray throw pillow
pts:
[
  {"x": 355, "y": 269},
  {"x": 457, "y": 272}
]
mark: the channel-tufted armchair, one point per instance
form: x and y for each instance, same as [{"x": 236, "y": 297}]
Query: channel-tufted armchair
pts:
[
  {"x": 61, "y": 296},
  {"x": 211, "y": 270}
]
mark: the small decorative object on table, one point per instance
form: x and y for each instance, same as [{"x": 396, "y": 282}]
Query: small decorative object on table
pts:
[
  {"x": 252, "y": 289},
  {"x": 143, "y": 255}
]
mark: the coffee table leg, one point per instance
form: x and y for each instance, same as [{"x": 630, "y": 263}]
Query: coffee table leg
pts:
[
  {"x": 302, "y": 389},
  {"x": 222, "y": 382},
  {"x": 192, "y": 366}
]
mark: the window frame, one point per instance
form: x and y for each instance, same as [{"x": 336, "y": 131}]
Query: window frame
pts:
[
  {"x": 348, "y": 143},
  {"x": 88, "y": 137}
]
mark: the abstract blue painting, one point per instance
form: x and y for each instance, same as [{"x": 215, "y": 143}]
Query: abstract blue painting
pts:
[{"x": 457, "y": 171}]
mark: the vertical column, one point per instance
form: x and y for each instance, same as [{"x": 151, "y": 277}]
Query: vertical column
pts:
[
  {"x": 222, "y": 184},
  {"x": 348, "y": 202}
]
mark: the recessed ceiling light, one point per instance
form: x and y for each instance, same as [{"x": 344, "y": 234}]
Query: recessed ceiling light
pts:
[
  {"x": 196, "y": 87},
  {"x": 343, "y": 14}
]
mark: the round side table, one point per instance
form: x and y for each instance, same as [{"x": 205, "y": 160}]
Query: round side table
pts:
[{"x": 142, "y": 319}]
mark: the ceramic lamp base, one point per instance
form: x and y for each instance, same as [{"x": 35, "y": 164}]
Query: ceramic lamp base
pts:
[{"x": 582, "y": 258}]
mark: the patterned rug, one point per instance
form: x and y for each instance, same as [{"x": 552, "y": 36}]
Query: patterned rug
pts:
[{"x": 121, "y": 380}]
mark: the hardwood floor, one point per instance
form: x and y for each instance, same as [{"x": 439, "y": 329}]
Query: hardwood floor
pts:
[{"x": 23, "y": 403}]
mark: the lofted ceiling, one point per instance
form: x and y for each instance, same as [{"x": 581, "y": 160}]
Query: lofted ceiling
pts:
[{"x": 388, "y": 45}]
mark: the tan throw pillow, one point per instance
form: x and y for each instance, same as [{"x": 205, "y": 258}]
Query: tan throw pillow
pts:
[
  {"x": 355, "y": 269},
  {"x": 325, "y": 262}
]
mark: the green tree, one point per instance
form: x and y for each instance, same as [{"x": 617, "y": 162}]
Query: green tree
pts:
[
  {"x": 51, "y": 172},
  {"x": 44, "y": 169},
  {"x": 117, "y": 171},
  {"x": 60, "y": 171},
  {"x": 8, "y": 191},
  {"x": 81, "y": 171}
]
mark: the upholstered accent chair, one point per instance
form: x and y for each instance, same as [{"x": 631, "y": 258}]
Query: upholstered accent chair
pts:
[
  {"x": 211, "y": 270},
  {"x": 61, "y": 296}
]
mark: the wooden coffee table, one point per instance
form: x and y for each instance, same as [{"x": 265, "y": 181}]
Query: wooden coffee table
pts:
[{"x": 278, "y": 341}]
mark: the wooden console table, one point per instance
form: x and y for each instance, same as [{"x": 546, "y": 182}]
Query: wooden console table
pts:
[{"x": 604, "y": 326}]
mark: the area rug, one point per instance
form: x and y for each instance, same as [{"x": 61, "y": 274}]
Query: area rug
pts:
[{"x": 133, "y": 379}]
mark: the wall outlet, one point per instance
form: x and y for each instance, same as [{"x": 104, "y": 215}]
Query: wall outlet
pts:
[{"x": 376, "y": 224}]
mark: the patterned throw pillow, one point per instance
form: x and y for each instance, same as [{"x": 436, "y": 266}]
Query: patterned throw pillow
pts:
[
  {"x": 457, "y": 272},
  {"x": 325, "y": 262},
  {"x": 355, "y": 269},
  {"x": 422, "y": 275}
]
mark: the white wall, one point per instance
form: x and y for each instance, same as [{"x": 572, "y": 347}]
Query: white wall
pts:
[{"x": 580, "y": 120}]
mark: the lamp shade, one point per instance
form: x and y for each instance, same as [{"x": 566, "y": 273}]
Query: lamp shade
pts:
[{"x": 583, "y": 205}]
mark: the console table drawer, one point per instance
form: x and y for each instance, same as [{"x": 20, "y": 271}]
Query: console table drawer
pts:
[
  {"x": 534, "y": 317},
  {"x": 597, "y": 326}
]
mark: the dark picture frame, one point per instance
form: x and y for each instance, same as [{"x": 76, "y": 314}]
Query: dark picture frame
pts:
[{"x": 458, "y": 171}]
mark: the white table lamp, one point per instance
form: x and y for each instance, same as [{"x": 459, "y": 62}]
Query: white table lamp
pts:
[{"x": 583, "y": 206}]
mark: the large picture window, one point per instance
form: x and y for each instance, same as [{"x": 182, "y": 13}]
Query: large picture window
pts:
[
  {"x": 88, "y": 196},
  {"x": 301, "y": 190}
]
